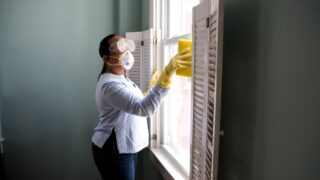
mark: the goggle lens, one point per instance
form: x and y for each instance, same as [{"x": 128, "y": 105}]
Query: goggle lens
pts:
[{"x": 126, "y": 45}]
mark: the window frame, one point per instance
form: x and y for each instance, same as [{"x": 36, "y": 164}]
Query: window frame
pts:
[
  {"x": 164, "y": 117},
  {"x": 159, "y": 18}
]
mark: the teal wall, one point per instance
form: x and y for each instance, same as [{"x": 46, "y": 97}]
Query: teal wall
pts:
[
  {"x": 145, "y": 14},
  {"x": 133, "y": 15},
  {"x": 49, "y": 66},
  {"x": 129, "y": 15},
  {"x": 271, "y": 99}
]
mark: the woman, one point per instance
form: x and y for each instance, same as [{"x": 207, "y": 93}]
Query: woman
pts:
[{"x": 122, "y": 129}]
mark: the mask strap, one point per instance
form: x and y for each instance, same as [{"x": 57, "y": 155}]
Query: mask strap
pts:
[
  {"x": 112, "y": 57},
  {"x": 109, "y": 64}
]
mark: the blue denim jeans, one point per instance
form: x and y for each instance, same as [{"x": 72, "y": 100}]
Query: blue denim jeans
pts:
[{"x": 111, "y": 164}]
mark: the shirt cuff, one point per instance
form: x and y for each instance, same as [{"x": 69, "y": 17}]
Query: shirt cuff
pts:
[{"x": 161, "y": 91}]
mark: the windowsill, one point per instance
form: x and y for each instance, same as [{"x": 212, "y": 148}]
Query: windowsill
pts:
[{"x": 166, "y": 166}]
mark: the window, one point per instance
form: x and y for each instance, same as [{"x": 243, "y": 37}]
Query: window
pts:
[
  {"x": 191, "y": 101},
  {"x": 176, "y": 116},
  {"x": 178, "y": 17}
]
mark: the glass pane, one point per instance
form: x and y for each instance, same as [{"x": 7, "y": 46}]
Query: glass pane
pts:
[
  {"x": 178, "y": 114},
  {"x": 180, "y": 17}
]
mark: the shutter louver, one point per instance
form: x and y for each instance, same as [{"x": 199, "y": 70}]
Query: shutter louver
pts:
[
  {"x": 147, "y": 58},
  {"x": 140, "y": 72},
  {"x": 211, "y": 94},
  {"x": 206, "y": 89},
  {"x": 134, "y": 73}
]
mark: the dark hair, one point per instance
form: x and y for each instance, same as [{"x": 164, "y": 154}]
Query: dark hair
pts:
[{"x": 104, "y": 50}]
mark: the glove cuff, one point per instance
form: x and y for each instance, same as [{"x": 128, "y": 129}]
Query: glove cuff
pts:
[{"x": 164, "y": 80}]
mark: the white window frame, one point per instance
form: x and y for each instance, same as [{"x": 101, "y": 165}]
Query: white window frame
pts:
[
  {"x": 168, "y": 41},
  {"x": 169, "y": 166}
]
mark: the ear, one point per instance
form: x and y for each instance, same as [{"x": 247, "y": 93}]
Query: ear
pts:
[{"x": 104, "y": 58}]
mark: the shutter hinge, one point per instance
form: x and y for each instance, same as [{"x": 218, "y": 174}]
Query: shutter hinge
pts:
[
  {"x": 154, "y": 137},
  {"x": 154, "y": 41},
  {"x": 207, "y": 22},
  {"x": 142, "y": 43},
  {"x": 221, "y": 133}
]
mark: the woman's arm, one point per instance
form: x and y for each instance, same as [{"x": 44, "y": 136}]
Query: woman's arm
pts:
[{"x": 120, "y": 97}]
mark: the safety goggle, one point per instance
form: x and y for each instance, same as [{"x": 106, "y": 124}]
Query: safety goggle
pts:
[{"x": 123, "y": 45}]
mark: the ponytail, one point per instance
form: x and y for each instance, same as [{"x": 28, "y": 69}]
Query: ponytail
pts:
[{"x": 104, "y": 68}]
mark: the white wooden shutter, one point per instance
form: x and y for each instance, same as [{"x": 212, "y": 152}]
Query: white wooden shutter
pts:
[
  {"x": 134, "y": 74},
  {"x": 142, "y": 69},
  {"x": 200, "y": 41},
  {"x": 147, "y": 53},
  {"x": 147, "y": 70},
  {"x": 206, "y": 88}
]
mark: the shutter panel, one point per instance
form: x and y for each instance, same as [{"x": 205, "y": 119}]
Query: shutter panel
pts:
[
  {"x": 200, "y": 43},
  {"x": 214, "y": 88},
  {"x": 134, "y": 73},
  {"x": 207, "y": 38},
  {"x": 147, "y": 53},
  {"x": 147, "y": 68},
  {"x": 142, "y": 69}
]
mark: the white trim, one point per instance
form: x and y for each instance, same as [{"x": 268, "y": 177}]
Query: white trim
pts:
[
  {"x": 168, "y": 165},
  {"x": 166, "y": 19},
  {"x": 154, "y": 14},
  {"x": 176, "y": 39},
  {"x": 155, "y": 23}
]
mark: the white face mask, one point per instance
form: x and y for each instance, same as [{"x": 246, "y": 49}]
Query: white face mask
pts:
[{"x": 126, "y": 60}]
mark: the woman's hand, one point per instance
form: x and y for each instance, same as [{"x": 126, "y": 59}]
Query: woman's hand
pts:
[{"x": 178, "y": 61}]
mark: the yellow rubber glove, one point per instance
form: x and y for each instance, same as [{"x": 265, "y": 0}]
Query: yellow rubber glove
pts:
[
  {"x": 152, "y": 82},
  {"x": 178, "y": 61}
]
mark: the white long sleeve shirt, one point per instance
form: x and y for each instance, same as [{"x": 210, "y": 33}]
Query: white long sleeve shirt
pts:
[{"x": 123, "y": 107}]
